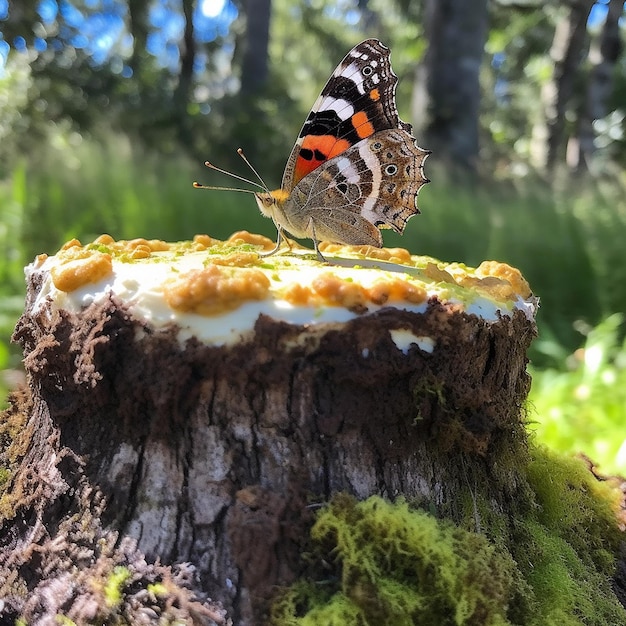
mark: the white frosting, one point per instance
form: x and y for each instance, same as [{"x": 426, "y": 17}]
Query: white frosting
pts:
[
  {"x": 139, "y": 284},
  {"x": 404, "y": 339}
]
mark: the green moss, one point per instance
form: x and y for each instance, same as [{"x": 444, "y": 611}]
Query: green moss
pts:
[
  {"x": 114, "y": 586},
  {"x": 157, "y": 589},
  {"x": 566, "y": 548},
  {"x": 389, "y": 564},
  {"x": 575, "y": 505},
  {"x": 399, "y": 566},
  {"x": 5, "y": 476}
]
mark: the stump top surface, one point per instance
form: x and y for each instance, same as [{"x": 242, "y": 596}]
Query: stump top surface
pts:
[{"x": 215, "y": 290}]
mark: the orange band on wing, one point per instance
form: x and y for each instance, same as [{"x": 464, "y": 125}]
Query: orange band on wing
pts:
[
  {"x": 362, "y": 125},
  {"x": 315, "y": 150}
]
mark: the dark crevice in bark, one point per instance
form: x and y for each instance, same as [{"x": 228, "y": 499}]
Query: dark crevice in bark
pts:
[{"x": 129, "y": 500}]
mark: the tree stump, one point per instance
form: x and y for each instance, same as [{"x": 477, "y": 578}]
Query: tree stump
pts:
[{"x": 170, "y": 453}]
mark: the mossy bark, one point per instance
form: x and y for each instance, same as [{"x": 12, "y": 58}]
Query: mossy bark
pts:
[{"x": 220, "y": 456}]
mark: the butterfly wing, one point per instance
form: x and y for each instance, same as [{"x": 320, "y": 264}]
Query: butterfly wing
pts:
[
  {"x": 357, "y": 101},
  {"x": 374, "y": 184}
]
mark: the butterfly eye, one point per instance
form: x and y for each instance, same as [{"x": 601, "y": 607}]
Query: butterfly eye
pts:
[{"x": 391, "y": 169}]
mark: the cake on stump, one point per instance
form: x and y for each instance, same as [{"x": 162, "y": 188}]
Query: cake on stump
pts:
[{"x": 192, "y": 406}]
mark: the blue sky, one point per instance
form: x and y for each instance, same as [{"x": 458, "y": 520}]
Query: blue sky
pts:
[{"x": 102, "y": 32}]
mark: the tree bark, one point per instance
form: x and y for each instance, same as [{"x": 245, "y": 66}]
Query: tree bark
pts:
[
  {"x": 217, "y": 456},
  {"x": 255, "y": 64},
  {"x": 185, "y": 76},
  {"x": 447, "y": 89}
]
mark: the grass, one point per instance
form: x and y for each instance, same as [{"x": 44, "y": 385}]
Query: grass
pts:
[
  {"x": 581, "y": 407},
  {"x": 569, "y": 247}
]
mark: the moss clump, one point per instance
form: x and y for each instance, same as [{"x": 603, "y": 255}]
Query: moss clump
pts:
[
  {"x": 399, "y": 566},
  {"x": 389, "y": 564}
]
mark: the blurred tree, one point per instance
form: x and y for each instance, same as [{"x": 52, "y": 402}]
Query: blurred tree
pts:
[
  {"x": 568, "y": 53},
  {"x": 605, "y": 53},
  {"x": 457, "y": 32},
  {"x": 551, "y": 92},
  {"x": 370, "y": 18},
  {"x": 255, "y": 64},
  {"x": 139, "y": 29},
  {"x": 21, "y": 16},
  {"x": 182, "y": 93}
]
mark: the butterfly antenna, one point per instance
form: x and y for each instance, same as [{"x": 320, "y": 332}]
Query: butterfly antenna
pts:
[
  {"x": 245, "y": 158},
  {"x": 241, "y": 178},
  {"x": 197, "y": 185}
]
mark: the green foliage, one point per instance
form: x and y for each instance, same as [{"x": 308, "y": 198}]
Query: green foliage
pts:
[
  {"x": 80, "y": 189},
  {"x": 387, "y": 563},
  {"x": 582, "y": 407}
]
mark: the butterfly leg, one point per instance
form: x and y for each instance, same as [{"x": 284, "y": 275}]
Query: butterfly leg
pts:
[
  {"x": 279, "y": 240},
  {"x": 320, "y": 256}
]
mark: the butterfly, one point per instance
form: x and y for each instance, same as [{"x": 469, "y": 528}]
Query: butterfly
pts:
[{"x": 355, "y": 167}]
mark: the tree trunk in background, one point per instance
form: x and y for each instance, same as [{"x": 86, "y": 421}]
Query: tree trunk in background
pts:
[
  {"x": 604, "y": 56},
  {"x": 185, "y": 77},
  {"x": 447, "y": 91},
  {"x": 567, "y": 53},
  {"x": 255, "y": 64},
  {"x": 138, "y": 26}
]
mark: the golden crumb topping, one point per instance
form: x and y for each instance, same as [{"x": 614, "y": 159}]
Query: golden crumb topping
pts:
[
  {"x": 331, "y": 290},
  {"x": 209, "y": 276},
  {"x": 243, "y": 236},
  {"x": 133, "y": 248},
  {"x": 215, "y": 289},
  {"x": 497, "y": 280},
  {"x": 512, "y": 275},
  {"x": 392, "y": 255},
  {"x": 78, "y": 267},
  {"x": 396, "y": 290},
  {"x": 339, "y": 292}
]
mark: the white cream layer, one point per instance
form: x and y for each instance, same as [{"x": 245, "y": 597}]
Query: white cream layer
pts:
[{"x": 139, "y": 284}]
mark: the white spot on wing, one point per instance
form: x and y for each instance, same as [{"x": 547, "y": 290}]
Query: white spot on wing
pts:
[
  {"x": 342, "y": 108},
  {"x": 347, "y": 169},
  {"x": 374, "y": 167},
  {"x": 352, "y": 72}
]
